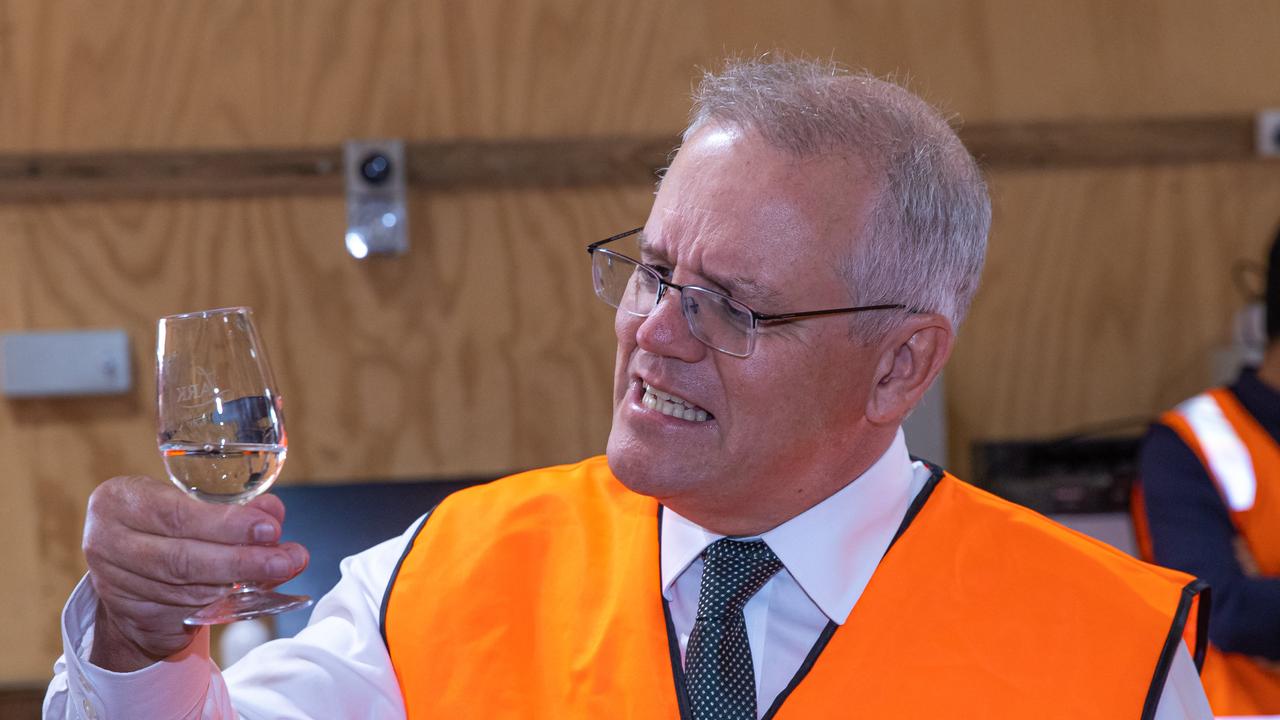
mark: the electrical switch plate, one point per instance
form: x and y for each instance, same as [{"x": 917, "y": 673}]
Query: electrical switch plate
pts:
[{"x": 60, "y": 364}]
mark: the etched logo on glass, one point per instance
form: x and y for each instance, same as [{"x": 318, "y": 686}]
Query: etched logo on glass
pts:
[{"x": 200, "y": 392}]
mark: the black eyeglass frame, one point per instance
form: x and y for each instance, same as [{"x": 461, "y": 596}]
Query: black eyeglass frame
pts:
[{"x": 757, "y": 318}]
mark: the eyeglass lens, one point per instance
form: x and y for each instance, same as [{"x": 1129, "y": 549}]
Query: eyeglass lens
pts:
[{"x": 721, "y": 322}]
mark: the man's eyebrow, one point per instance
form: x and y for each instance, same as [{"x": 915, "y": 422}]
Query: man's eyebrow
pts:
[
  {"x": 740, "y": 286},
  {"x": 646, "y": 246}
]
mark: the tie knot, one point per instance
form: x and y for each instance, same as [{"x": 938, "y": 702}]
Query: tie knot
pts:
[{"x": 733, "y": 571}]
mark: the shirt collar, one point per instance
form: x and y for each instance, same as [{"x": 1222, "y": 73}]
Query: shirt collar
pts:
[{"x": 832, "y": 548}]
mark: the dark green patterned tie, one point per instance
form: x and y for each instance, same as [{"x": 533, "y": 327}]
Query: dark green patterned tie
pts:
[{"x": 717, "y": 665}]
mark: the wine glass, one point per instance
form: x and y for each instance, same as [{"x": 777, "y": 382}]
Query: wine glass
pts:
[{"x": 221, "y": 430}]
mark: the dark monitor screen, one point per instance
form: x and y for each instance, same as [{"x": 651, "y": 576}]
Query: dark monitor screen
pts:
[{"x": 335, "y": 521}]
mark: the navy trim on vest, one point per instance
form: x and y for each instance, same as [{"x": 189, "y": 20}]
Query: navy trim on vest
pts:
[
  {"x": 677, "y": 667},
  {"x": 935, "y": 476},
  {"x": 1171, "y": 643},
  {"x": 1202, "y": 624},
  {"x": 673, "y": 643},
  {"x": 386, "y": 595},
  {"x": 805, "y": 667}
]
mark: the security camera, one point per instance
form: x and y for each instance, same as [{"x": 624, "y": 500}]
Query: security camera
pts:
[
  {"x": 376, "y": 168},
  {"x": 377, "y": 214}
]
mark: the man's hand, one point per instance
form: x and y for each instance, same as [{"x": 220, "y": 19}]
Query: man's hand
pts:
[{"x": 155, "y": 555}]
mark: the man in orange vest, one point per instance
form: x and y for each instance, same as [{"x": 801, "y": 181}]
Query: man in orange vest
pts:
[
  {"x": 1209, "y": 504},
  {"x": 757, "y": 542}
]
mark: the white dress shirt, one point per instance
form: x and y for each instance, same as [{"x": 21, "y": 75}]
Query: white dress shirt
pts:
[{"x": 338, "y": 666}]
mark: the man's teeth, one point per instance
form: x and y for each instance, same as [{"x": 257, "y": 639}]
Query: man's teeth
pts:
[{"x": 672, "y": 405}]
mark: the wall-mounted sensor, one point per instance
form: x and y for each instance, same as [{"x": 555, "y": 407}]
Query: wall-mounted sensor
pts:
[
  {"x": 377, "y": 215},
  {"x": 1267, "y": 133}
]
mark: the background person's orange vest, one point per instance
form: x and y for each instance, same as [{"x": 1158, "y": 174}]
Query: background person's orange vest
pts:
[
  {"x": 1244, "y": 462},
  {"x": 539, "y": 596}
]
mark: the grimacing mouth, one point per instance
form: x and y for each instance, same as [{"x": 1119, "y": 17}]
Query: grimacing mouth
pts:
[{"x": 672, "y": 405}]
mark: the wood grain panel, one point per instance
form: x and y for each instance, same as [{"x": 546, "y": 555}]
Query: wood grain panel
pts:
[
  {"x": 481, "y": 351},
  {"x": 451, "y": 165},
  {"x": 21, "y": 702},
  {"x": 133, "y": 74},
  {"x": 1105, "y": 294},
  {"x": 544, "y": 163}
]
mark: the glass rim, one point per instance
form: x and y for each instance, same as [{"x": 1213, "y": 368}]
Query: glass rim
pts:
[{"x": 231, "y": 310}]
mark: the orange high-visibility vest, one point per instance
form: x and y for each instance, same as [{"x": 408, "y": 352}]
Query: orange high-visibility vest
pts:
[
  {"x": 539, "y": 596},
  {"x": 1244, "y": 462}
]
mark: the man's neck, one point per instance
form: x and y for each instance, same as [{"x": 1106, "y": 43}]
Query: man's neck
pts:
[
  {"x": 1269, "y": 370},
  {"x": 783, "y": 499}
]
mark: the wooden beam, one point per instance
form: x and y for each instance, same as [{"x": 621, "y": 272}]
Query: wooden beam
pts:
[
  {"x": 439, "y": 166},
  {"x": 565, "y": 162},
  {"x": 21, "y": 702},
  {"x": 539, "y": 163},
  {"x": 106, "y": 175},
  {"x": 1111, "y": 142}
]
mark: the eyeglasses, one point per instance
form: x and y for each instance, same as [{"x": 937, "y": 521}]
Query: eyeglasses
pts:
[{"x": 719, "y": 321}]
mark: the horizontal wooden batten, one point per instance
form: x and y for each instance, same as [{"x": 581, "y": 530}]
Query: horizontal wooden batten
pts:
[
  {"x": 461, "y": 164},
  {"x": 1112, "y": 142},
  {"x": 21, "y": 701},
  {"x": 569, "y": 162}
]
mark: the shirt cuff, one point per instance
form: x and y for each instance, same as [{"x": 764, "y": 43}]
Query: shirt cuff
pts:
[{"x": 98, "y": 693}]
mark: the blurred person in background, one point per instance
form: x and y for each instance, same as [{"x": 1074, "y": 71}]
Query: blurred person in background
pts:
[
  {"x": 756, "y": 541},
  {"x": 1208, "y": 503}
]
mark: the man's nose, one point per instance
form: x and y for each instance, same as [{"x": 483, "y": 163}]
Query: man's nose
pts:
[{"x": 666, "y": 331}]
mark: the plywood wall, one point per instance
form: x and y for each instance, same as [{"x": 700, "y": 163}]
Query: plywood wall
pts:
[
  {"x": 1106, "y": 294},
  {"x": 482, "y": 349}
]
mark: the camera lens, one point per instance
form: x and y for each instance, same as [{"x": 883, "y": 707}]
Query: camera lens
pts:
[{"x": 376, "y": 168}]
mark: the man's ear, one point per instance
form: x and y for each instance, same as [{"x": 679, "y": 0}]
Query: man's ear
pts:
[{"x": 910, "y": 357}]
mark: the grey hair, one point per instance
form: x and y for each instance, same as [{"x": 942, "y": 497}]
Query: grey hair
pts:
[{"x": 926, "y": 230}]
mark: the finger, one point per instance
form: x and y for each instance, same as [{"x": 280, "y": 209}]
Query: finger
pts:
[
  {"x": 174, "y": 514},
  {"x": 118, "y": 586},
  {"x": 185, "y": 562},
  {"x": 155, "y": 507},
  {"x": 269, "y": 504},
  {"x": 150, "y": 506}
]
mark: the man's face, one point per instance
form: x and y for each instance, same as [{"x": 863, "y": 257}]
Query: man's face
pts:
[{"x": 737, "y": 216}]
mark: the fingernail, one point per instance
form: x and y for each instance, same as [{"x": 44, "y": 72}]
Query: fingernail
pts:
[
  {"x": 264, "y": 532},
  {"x": 278, "y": 566}
]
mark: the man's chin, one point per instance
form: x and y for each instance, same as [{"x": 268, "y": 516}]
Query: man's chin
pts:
[
  {"x": 631, "y": 464},
  {"x": 651, "y": 472}
]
